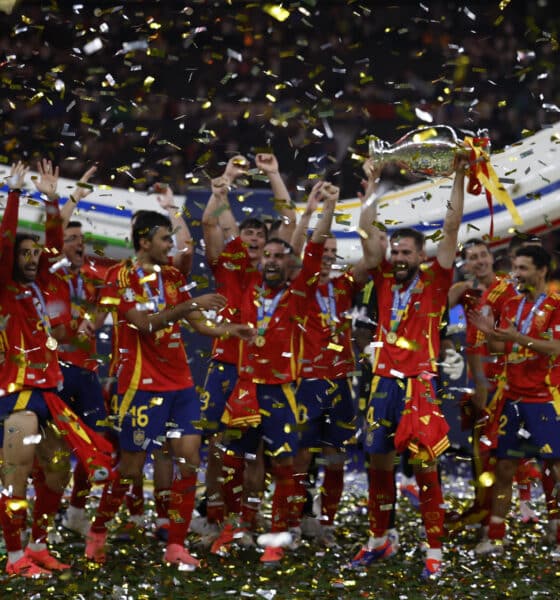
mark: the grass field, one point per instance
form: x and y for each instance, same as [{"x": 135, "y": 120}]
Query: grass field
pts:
[{"x": 136, "y": 571}]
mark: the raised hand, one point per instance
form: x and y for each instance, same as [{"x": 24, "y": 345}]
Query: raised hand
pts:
[
  {"x": 16, "y": 179},
  {"x": 220, "y": 186},
  {"x": 48, "y": 178},
  {"x": 314, "y": 198},
  {"x": 83, "y": 187},
  {"x": 370, "y": 185},
  {"x": 330, "y": 194},
  {"x": 165, "y": 196},
  {"x": 267, "y": 163},
  {"x": 236, "y": 167}
]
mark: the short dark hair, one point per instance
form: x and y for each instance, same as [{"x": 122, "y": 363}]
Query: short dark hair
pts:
[
  {"x": 540, "y": 257},
  {"x": 408, "y": 232},
  {"x": 73, "y": 224},
  {"x": 253, "y": 223},
  {"x": 145, "y": 224},
  {"x": 473, "y": 242},
  {"x": 522, "y": 239},
  {"x": 22, "y": 237},
  {"x": 277, "y": 240}
]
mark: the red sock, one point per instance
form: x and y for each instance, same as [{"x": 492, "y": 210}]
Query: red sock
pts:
[
  {"x": 381, "y": 500},
  {"x": 331, "y": 491},
  {"x": 299, "y": 495},
  {"x": 181, "y": 506},
  {"x": 162, "y": 498},
  {"x": 431, "y": 506},
  {"x": 13, "y": 516},
  {"x": 215, "y": 511},
  {"x": 135, "y": 499},
  {"x": 552, "y": 499},
  {"x": 249, "y": 511},
  {"x": 47, "y": 503},
  {"x": 81, "y": 487},
  {"x": 232, "y": 485},
  {"x": 111, "y": 500},
  {"x": 283, "y": 497},
  {"x": 496, "y": 531}
]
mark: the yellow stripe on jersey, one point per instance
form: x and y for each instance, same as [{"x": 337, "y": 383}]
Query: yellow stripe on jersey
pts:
[
  {"x": 22, "y": 400},
  {"x": 135, "y": 380},
  {"x": 20, "y": 377}
]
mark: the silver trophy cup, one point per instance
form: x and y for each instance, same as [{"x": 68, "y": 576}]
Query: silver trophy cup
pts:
[{"x": 424, "y": 152}]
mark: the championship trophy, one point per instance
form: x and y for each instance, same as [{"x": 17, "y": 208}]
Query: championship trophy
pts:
[
  {"x": 430, "y": 152},
  {"x": 424, "y": 152}
]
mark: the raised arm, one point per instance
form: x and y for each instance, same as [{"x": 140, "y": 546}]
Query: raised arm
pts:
[
  {"x": 8, "y": 226},
  {"x": 218, "y": 222},
  {"x": 329, "y": 193},
  {"x": 183, "y": 258},
  {"x": 447, "y": 247},
  {"x": 47, "y": 184},
  {"x": 299, "y": 237},
  {"x": 214, "y": 236},
  {"x": 369, "y": 233},
  {"x": 83, "y": 188},
  {"x": 268, "y": 164}
]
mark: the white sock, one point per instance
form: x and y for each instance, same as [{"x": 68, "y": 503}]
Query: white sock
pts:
[
  {"x": 37, "y": 547},
  {"x": 15, "y": 556},
  {"x": 434, "y": 554},
  {"x": 376, "y": 542}
]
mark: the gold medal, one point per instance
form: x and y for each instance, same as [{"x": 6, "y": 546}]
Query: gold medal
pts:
[
  {"x": 51, "y": 344},
  {"x": 392, "y": 337},
  {"x": 260, "y": 341}
]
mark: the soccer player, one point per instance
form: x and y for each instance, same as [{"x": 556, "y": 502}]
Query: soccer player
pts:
[
  {"x": 157, "y": 400},
  {"x": 71, "y": 301},
  {"x": 527, "y": 335},
  {"x": 225, "y": 242},
  {"x": 483, "y": 288},
  {"x": 403, "y": 410},
  {"x": 326, "y": 415},
  {"x": 29, "y": 371},
  {"x": 263, "y": 401}
]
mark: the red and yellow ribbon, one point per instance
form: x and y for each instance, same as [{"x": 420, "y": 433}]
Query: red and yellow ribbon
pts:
[{"x": 482, "y": 174}]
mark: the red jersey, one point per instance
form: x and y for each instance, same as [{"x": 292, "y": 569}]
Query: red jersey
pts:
[
  {"x": 530, "y": 374},
  {"x": 327, "y": 337},
  {"x": 73, "y": 295},
  {"x": 494, "y": 297},
  {"x": 227, "y": 270},
  {"x": 414, "y": 346},
  {"x": 276, "y": 361},
  {"x": 24, "y": 321},
  {"x": 155, "y": 361}
]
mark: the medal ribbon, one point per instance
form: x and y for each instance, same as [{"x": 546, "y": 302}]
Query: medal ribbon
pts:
[
  {"x": 264, "y": 316},
  {"x": 77, "y": 295},
  {"x": 158, "y": 301},
  {"x": 328, "y": 310},
  {"x": 400, "y": 303},
  {"x": 528, "y": 320},
  {"x": 41, "y": 308}
]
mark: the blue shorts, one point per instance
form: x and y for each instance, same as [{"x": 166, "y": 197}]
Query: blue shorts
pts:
[
  {"x": 278, "y": 427},
  {"x": 31, "y": 400},
  {"x": 384, "y": 411},
  {"x": 83, "y": 393},
  {"x": 326, "y": 414},
  {"x": 220, "y": 381},
  {"x": 147, "y": 419},
  {"x": 528, "y": 429}
]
